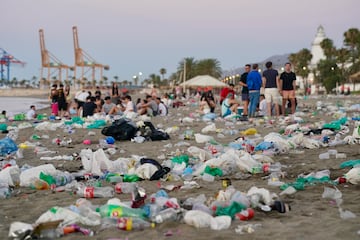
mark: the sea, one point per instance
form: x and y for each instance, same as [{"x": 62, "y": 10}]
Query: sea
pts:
[{"x": 15, "y": 105}]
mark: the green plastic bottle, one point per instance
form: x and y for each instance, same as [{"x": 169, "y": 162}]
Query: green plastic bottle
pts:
[
  {"x": 131, "y": 178},
  {"x": 116, "y": 211}
]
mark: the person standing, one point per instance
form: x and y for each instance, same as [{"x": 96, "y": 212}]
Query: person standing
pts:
[
  {"x": 54, "y": 96},
  {"x": 115, "y": 97},
  {"x": 245, "y": 89},
  {"x": 271, "y": 84},
  {"x": 62, "y": 100},
  {"x": 287, "y": 88},
  {"x": 254, "y": 82}
]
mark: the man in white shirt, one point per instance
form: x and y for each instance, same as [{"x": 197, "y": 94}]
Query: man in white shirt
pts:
[
  {"x": 162, "y": 109},
  {"x": 129, "y": 105},
  {"x": 31, "y": 114}
]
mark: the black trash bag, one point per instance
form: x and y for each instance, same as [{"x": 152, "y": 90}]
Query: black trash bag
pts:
[
  {"x": 150, "y": 132},
  {"x": 160, "y": 173},
  {"x": 121, "y": 129},
  {"x": 151, "y": 161}
]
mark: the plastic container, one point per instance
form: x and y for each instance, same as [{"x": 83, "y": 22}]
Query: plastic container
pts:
[
  {"x": 125, "y": 187},
  {"x": 4, "y": 190},
  {"x": 340, "y": 155},
  {"x": 109, "y": 210},
  {"x": 131, "y": 178},
  {"x": 129, "y": 224},
  {"x": 168, "y": 214},
  {"x": 95, "y": 192},
  {"x": 208, "y": 177},
  {"x": 325, "y": 155}
]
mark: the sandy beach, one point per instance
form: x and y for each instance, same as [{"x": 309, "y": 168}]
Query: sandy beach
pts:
[{"x": 311, "y": 216}]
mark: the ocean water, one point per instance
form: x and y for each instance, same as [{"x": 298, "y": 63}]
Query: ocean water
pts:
[{"x": 14, "y": 105}]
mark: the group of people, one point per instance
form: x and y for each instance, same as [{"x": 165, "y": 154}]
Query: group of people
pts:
[
  {"x": 85, "y": 103},
  {"x": 278, "y": 90}
]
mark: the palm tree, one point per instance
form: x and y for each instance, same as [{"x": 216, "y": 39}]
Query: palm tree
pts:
[
  {"x": 162, "y": 72},
  {"x": 329, "y": 49},
  {"x": 301, "y": 62},
  {"x": 210, "y": 66},
  {"x": 105, "y": 79},
  {"x": 116, "y": 78},
  {"x": 14, "y": 81},
  {"x": 190, "y": 68},
  {"x": 352, "y": 41}
]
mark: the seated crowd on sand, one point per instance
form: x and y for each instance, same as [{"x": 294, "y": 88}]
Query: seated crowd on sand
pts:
[{"x": 87, "y": 103}]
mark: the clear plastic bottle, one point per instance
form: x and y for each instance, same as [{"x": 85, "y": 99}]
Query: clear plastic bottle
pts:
[
  {"x": 125, "y": 187},
  {"x": 95, "y": 192},
  {"x": 63, "y": 178},
  {"x": 129, "y": 223},
  {"x": 168, "y": 214},
  {"x": 4, "y": 190}
]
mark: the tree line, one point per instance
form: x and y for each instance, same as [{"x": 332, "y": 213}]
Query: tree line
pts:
[{"x": 339, "y": 63}]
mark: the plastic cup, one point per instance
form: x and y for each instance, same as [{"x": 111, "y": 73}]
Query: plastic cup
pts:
[
  {"x": 208, "y": 177},
  {"x": 324, "y": 155}
]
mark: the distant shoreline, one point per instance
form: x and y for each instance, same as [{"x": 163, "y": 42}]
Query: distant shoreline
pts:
[{"x": 24, "y": 92}]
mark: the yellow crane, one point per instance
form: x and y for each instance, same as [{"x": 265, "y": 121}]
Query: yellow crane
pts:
[
  {"x": 50, "y": 64},
  {"x": 85, "y": 62}
]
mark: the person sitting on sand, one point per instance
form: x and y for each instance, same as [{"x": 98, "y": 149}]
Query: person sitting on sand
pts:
[
  {"x": 150, "y": 108},
  {"x": 108, "y": 105},
  {"x": 3, "y": 115},
  {"x": 163, "y": 110},
  {"x": 31, "y": 114},
  {"x": 229, "y": 106},
  {"x": 89, "y": 107},
  {"x": 118, "y": 109},
  {"x": 206, "y": 104}
]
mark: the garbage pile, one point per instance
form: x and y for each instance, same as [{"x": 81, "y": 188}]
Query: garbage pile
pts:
[{"x": 247, "y": 155}]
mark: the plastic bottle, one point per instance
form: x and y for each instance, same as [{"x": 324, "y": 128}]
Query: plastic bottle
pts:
[
  {"x": 325, "y": 155},
  {"x": 151, "y": 209},
  {"x": 63, "y": 178},
  {"x": 109, "y": 210},
  {"x": 4, "y": 190},
  {"x": 131, "y": 178},
  {"x": 39, "y": 184},
  {"x": 131, "y": 223},
  {"x": 125, "y": 187},
  {"x": 168, "y": 214},
  {"x": 95, "y": 192}
]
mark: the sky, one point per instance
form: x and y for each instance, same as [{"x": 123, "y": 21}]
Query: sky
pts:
[{"x": 133, "y": 36}]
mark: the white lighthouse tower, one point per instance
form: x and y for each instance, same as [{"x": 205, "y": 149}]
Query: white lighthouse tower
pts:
[
  {"x": 317, "y": 54},
  {"x": 316, "y": 50}
]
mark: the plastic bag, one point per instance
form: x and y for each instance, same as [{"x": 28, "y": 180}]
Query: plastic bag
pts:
[{"x": 7, "y": 146}]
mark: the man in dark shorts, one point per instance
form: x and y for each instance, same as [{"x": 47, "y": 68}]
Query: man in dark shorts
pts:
[
  {"x": 288, "y": 86},
  {"x": 245, "y": 90}
]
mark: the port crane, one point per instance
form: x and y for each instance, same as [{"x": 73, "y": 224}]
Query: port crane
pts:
[
  {"x": 85, "y": 62},
  {"x": 6, "y": 60}
]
